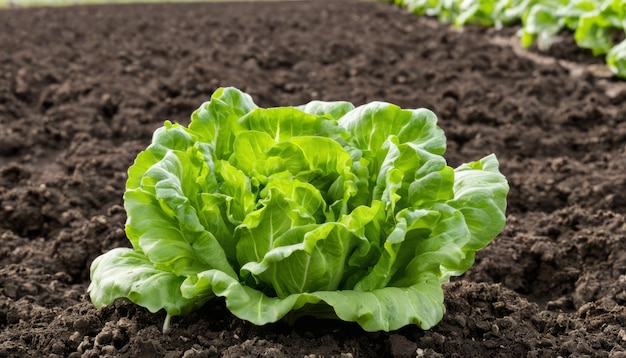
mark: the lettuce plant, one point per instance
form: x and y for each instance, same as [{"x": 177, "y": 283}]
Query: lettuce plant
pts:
[{"x": 319, "y": 209}]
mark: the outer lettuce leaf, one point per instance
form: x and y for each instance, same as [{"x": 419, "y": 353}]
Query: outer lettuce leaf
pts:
[
  {"x": 441, "y": 252},
  {"x": 127, "y": 273},
  {"x": 169, "y": 137},
  {"x": 384, "y": 309},
  {"x": 480, "y": 195},
  {"x": 301, "y": 210},
  {"x": 163, "y": 221}
]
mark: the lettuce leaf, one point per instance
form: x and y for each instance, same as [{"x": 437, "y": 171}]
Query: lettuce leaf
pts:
[{"x": 318, "y": 209}]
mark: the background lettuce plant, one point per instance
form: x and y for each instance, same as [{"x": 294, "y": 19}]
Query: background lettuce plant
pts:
[
  {"x": 598, "y": 25},
  {"x": 324, "y": 208}
]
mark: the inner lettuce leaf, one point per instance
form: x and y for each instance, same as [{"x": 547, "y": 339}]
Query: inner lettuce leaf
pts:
[{"x": 322, "y": 209}]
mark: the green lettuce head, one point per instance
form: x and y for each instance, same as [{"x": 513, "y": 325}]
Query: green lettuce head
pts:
[{"x": 300, "y": 210}]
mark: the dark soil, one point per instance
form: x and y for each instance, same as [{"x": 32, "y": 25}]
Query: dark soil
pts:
[{"x": 82, "y": 89}]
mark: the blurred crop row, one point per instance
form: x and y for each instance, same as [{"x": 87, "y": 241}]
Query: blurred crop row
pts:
[{"x": 597, "y": 25}]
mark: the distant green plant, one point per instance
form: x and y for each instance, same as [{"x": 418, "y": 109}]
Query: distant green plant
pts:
[{"x": 597, "y": 24}]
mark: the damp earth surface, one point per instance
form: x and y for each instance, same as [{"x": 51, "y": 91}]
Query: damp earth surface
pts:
[{"x": 83, "y": 88}]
